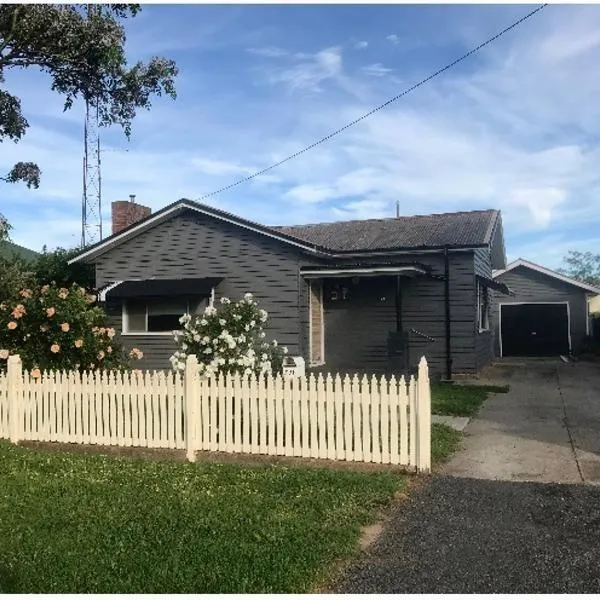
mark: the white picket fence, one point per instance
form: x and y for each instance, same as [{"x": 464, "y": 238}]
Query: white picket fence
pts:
[{"x": 376, "y": 420}]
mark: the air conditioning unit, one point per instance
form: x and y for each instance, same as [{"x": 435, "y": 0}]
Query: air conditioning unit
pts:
[{"x": 294, "y": 366}]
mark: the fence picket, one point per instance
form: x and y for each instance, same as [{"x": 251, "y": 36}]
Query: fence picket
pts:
[
  {"x": 412, "y": 414},
  {"x": 246, "y": 401},
  {"x": 321, "y": 424},
  {"x": 287, "y": 416},
  {"x": 270, "y": 416},
  {"x": 253, "y": 409},
  {"x": 304, "y": 415},
  {"x": 312, "y": 408},
  {"x": 348, "y": 437},
  {"x": 402, "y": 419},
  {"x": 384, "y": 416},
  {"x": 296, "y": 417},
  {"x": 375, "y": 401},
  {"x": 365, "y": 404},
  {"x": 356, "y": 415},
  {"x": 330, "y": 408},
  {"x": 278, "y": 395}
]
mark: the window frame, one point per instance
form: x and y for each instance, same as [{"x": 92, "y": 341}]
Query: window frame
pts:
[
  {"x": 483, "y": 324},
  {"x": 125, "y": 318}
]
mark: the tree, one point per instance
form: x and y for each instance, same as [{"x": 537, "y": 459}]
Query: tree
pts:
[
  {"x": 583, "y": 266},
  {"x": 84, "y": 54},
  {"x": 53, "y": 267}
]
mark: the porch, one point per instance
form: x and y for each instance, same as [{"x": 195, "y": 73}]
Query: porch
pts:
[{"x": 357, "y": 319}]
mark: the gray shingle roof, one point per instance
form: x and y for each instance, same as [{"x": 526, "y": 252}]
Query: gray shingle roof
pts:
[{"x": 452, "y": 229}]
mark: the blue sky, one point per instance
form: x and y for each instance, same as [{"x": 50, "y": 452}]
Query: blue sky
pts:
[{"x": 515, "y": 128}]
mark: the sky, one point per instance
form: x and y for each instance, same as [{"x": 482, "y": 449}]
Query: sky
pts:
[{"x": 515, "y": 127}]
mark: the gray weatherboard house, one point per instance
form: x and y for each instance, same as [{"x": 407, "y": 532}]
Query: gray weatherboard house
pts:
[{"x": 366, "y": 296}]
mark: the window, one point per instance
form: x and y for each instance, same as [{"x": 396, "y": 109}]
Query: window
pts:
[
  {"x": 158, "y": 315},
  {"x": 483, "y": 307}
]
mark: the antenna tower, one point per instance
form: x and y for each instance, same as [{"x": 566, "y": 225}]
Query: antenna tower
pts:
[{"x": 91, "y": 206}]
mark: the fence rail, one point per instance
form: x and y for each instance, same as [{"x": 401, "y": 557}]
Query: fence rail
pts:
[{"x": 377, "y": 420}]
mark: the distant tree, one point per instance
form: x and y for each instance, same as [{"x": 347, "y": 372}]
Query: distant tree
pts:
[
  {"x": 52, "y": 266},
  {"x": 583, "y": 266},
  {"x": 15, "y": 274},
  {"x": 84, "y": 54}
]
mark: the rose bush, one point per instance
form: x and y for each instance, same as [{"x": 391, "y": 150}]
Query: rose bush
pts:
[
  {"x": 228, "y": 339},
  {"x": 53, "y": 327}
]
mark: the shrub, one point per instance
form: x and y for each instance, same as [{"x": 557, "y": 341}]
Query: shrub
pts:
[
  {"x": 57, "y": 328},
  {"x": 230, "y": 339}
]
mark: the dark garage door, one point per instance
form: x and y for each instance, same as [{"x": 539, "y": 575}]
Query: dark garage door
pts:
[{"x": 534, "y": 329}]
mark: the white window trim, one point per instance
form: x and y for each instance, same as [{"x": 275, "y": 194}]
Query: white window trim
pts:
[{"x": 480, "y": 288}]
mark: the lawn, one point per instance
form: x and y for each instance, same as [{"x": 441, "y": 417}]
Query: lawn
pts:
[
  {"x": 444, "y": 442},
  {"x": 460, "y": 400},
  {"x": 77, "y": 523}
]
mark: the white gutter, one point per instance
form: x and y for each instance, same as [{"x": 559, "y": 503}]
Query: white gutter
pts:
[{"x": 364, "y": 271}]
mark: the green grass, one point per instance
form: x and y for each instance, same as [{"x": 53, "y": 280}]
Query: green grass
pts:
[
  {"x": 460, "y": 400},
  {"x": 76, "y": 523},
  {"x": 444, "y": 442}
]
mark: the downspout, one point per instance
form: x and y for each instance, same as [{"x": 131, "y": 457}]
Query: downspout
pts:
[
  {"x": 447, "y": 310},
  {"x": 398, "y": 305}
]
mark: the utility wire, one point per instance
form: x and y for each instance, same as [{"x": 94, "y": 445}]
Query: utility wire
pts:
[{"x": 376, "y": 109}]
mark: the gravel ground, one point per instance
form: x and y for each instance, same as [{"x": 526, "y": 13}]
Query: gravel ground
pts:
[{"x": 475, "y": 536}]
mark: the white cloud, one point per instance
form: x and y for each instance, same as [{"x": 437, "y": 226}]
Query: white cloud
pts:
[
  {"x": 269, "y": 52},
  {"x": 376, "y": 70},
  {"x": 393, "y": 38},
  {"x": 361, "y": 44},
  {"x": 310, "y": 72}
]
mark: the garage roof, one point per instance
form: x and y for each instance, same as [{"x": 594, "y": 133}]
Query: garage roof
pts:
[{"x": 521, "y": 262}]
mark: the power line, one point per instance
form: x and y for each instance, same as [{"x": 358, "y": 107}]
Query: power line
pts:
[{"x": 376, "y": 109}]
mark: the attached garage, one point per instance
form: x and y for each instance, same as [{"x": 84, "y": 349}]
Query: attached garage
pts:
[{"x": 546, "y": 316}]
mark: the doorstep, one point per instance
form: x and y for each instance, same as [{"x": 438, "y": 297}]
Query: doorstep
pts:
[{"x": 458, "y": 423}]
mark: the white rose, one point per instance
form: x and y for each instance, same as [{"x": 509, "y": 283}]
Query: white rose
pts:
[
  {"x": 285, "y": 350},
  {"x": 208, "y": 350},
  {"x": 248, "y": 296},
  {"x": 222, "y": 322},
  {"x": 204, "y": 322},
  {"x": 225, "y": 300},
  {"x": 274, "y": 343},
  {"x": 261, "y": 334},
  {"x": 252, "y": 323}
]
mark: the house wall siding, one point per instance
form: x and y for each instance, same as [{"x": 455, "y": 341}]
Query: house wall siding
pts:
[
  {"x": 484, "y": 340},
  {"x": 531, "y": 286},
  {"x": 195, "y": 245}
]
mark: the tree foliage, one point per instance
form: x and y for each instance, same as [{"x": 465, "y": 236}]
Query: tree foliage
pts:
[
  {"x": 83, "y": 51},
  {"x": 583, "y": 266},
  {"x": 52, "y": 266}
]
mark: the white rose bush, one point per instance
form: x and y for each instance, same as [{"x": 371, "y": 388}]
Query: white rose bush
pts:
[{"x": 228, "y": 339}]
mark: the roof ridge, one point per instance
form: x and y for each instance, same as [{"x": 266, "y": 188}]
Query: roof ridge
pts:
[{"x": 388, "y": 219}]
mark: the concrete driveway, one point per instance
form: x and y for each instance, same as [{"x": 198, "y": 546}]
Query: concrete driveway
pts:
[{"x": 546, "y": 429}]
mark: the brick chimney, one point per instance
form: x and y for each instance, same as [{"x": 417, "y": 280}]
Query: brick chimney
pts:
[{"x": 127, "y": 212}]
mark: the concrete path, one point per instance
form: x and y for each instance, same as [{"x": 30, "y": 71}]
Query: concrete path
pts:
[{"x": 545, "y": 429}]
